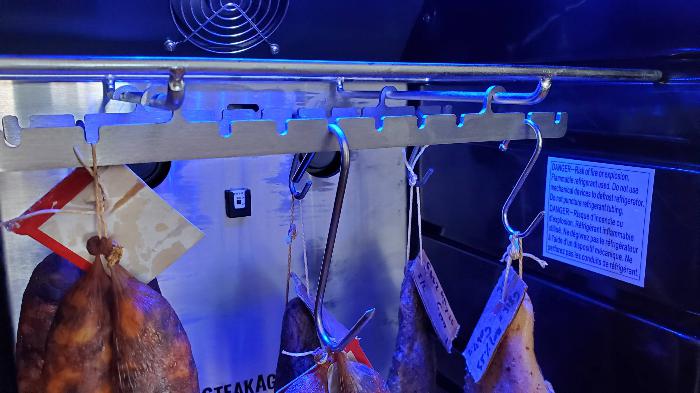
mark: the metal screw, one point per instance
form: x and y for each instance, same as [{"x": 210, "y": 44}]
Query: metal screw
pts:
[
  {"x": 504, "y": 145},
  {"x": 170, "y": 45}
]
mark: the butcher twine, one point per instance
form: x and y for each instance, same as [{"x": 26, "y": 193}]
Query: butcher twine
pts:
[
  {"x": 514, "y": 252},
  {"x": 414, "y": 185},
  {"x": 291, "y": 236},
  {"x": 14, "y": 223},
  {"x": 320, "y": 356},
  {"x": 100, "y": 197}
]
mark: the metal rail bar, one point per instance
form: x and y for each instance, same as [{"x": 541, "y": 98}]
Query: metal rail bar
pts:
[
  {"x": 86, "y": 69},
  {"x": 510, "y": 98}
]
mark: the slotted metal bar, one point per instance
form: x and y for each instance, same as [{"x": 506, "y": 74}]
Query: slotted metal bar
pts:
[{"x": 178, "y": 139}]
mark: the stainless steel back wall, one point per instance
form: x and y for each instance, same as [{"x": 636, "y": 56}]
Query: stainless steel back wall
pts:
[{"x": 229, "y": 289}]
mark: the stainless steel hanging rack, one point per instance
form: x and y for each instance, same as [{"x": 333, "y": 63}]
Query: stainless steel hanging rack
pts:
[{"x": 312, "y": 95}]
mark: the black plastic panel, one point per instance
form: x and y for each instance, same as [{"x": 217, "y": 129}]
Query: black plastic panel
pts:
[
  {"x": 546, "y": 31},
  {"x": 612, "y": 335},
  {"x": 325, "y": 30},
  {"x": 475, "y": 180}
]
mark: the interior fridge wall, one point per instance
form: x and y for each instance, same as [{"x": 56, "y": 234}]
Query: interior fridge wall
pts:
[{"x": 593, "y": 333}]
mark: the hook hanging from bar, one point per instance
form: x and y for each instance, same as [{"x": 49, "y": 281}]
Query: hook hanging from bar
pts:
[
  {"x": 519, "y": 184},
  {"x": 295, "y": 174},
  {"x": 324, "y": 336}
]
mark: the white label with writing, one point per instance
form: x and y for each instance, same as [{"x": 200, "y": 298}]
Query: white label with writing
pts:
[
  {"x": 498, "y": 314},
  {"x": 434, "y": 300},
  {"x": 597, "y": 217}
]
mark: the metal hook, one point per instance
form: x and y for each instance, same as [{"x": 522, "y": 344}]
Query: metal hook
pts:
[
  {"x": 324, "y": 336},
  {"x": 519, "y": 184},
  {"x": 296, "y": 174}
]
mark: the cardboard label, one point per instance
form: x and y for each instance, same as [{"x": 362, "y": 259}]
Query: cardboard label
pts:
[
  {"x": 152, "y": 233},
  {"x": 434, "y": 300},
  {"x": 498, "y": 314},
  {"x": 598, "y": 217}
]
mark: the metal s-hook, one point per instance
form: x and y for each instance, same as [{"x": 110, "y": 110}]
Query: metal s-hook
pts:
[
  {"x": 519, "y": 184},
  {"x": 296, "y": 174},
  {"x": 327, "y": 340}
]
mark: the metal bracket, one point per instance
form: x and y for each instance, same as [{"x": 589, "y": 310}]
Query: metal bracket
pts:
[
  {"x": 503, "y": 97},
  {"x": 171, "y": 101}
]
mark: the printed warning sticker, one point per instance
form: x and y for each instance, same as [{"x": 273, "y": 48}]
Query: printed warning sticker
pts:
[{"x": 598, "y": 217}]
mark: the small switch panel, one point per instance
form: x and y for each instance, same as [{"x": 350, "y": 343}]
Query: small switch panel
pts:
[{"x": 237, "y": 202}]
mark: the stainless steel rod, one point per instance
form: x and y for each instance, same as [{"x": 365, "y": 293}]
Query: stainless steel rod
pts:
[
  {"x": 65, "y": 68},
  {"x": 530, "y": 98}
]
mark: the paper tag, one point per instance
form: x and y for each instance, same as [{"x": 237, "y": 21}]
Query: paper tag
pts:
[
  {"x": 152, "y": 233},
  {"x": 493, "y": 323},
  {"x": 434, "y": 300},
  {"x": 335, "y": 328}
]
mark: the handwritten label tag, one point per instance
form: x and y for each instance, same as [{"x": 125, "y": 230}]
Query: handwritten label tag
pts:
[
  {"x": 153, "y": 234},
  {"x": 493, "y": 323},
  {"x": 434, "y": 300}
]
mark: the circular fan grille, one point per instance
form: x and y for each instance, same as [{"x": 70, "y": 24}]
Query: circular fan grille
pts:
[{"x": 227, "y": 27}]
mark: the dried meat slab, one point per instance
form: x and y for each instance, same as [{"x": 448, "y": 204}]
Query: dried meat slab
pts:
[
  {"x": 79, "y": 347},
  {"x": 298, "y": 335},
  {"x": 347, "y": 376},
  {"x": 413, "y": 368},
  {"x": 514, "y": 367},
  {"x": 50, "y": 281},
  {"x": 152, "y": 351}
]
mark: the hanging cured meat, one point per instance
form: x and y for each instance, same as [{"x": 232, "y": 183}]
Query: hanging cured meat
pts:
[
  {"x": 514, "y": 367},
  {"x": 116, "y": 335},
  {"x": 152, "y": 352},
  {"x": 50, "y": 281},
  {"x": 313, "y": 381},
  {"x": 79, "y": 347},
  {"x": 298, "y": 336},
  {"x": 347, "y": 376},
  {"x": 299, "y": 332},
  {"x": 338, "y": 374},
  {"x": 413, "y": 365}
]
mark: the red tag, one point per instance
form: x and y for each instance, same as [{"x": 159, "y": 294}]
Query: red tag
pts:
[{"x": 57, "y": 198}]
